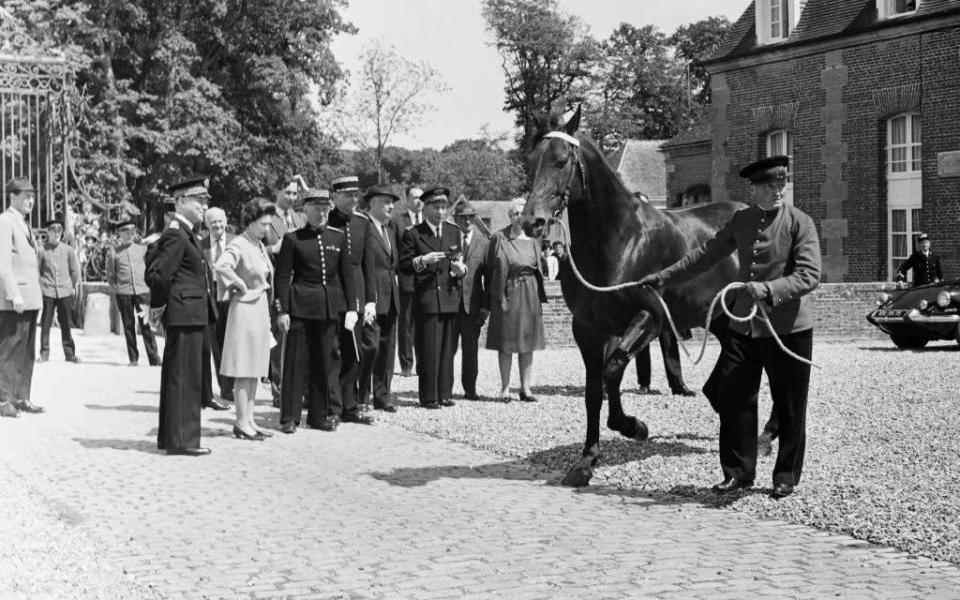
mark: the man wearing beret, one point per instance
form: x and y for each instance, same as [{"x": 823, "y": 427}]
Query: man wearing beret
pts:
[
  {"x": 125, "y": 273},
  {"x": 316, "y": 296},
  {"x": 59, "y": 278},
  {"x": 355, "y": 393},
  {"x": 432, "y": 252},
  {"x": 779, "y": 256},
  {"x": 383, "y": 258},
  {"x": 20, "y": 300},
  {"x": 182, "y": 303}
]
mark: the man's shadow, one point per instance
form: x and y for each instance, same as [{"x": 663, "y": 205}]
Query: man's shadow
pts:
[{"x": 150, "y": 447}]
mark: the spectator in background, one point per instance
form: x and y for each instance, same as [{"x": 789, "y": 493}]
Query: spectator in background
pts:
[
  {"x": 925, "y": 264},
  {"x": 59, "y": 279},
  {"x": 409, "y": 216},
  {"x": 473, "y": 305},
  {"x": 214, "y": 247},
  {"x": 515, "y": 286},
  {"x": 125, "y": 272}
]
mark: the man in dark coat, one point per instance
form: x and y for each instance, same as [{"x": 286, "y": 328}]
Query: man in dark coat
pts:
[
  {"x": 182, "y": 303},
  {"x": 473, "y": 303},
  {"x": 670, "y": 350},
  {"x": 356, "y": 342},
  {"x": 779, "y": 255},
  {"x": 316, "y": 296},
  {"x": 382, "y": 258},
  {"x": 432, "y": 252},
  {"x": 409, "y": 216},
  {"x": 925, "y": 265}
]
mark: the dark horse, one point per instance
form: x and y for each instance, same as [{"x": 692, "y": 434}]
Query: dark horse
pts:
[{"x": 615, "y": 238}]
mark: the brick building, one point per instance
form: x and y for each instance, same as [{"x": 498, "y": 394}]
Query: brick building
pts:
[
  {"x": 688, "y": 166},
  {"x": 640, "y": 164},
  {"x": 864, "y": 95}
]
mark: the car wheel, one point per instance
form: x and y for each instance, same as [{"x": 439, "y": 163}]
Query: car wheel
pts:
[{"x": 908, "y": 342}]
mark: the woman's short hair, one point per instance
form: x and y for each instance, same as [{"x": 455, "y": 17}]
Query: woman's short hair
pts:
[{"x": 254, "y": 209}]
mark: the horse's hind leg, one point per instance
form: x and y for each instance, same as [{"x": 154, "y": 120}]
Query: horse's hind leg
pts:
[
  {"x": 591, "y": 349},
  {"x": 638, "y": 335}
]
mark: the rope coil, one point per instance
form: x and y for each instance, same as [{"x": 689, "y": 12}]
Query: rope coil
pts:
[{"x": 756, "y": 311}]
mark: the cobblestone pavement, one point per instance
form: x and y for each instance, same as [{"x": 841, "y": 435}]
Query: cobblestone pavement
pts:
[{"x": 93, "y": 511}]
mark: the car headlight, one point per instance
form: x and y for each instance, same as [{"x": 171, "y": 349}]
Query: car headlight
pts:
[
  {"x": 923, "y": 305},
  {"x": 883, "y": 298},
  {"x": 944, "y": 299}
]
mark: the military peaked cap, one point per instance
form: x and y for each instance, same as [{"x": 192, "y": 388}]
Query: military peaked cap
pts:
[
  {"x": 314, "y": 196},
  {"x": 54, "y": 223},
  {"x": 350, "y": 183},
  {"x": 125, "y": 225},
  {"x": 191, "y": 186},
  {"x": 772, "y": 168},
  {"x": 435, "y": 194}
]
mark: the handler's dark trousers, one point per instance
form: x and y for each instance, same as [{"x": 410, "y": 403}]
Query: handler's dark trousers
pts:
[
  {"x": 742, "y": 362},
  {"x": 670, "y": 349},
  {"x": 128, "y": 305},
  {"x": 312, "y": 358},
  {"x": 64, "y": 308}
]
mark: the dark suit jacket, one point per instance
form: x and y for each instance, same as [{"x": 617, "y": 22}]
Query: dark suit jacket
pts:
[
  {"x": 435, "y": 291},
  {"x": 402, "y": 219},
  {"x": 925, "y": 269},
  {"x": 474, "y": 282},
  {"x": 382, "y": 264},
  {"x": 315, "y": 278},
  {"x": 208, "y": 256},
  {"x": 783, "y": 252},
  {"x": 357, "y": 229},
  {"x": 178, "y": 279}
]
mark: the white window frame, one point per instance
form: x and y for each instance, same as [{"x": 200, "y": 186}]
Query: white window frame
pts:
[
  {"x": 764, "y": 19},
  {"x": 912, "y": 145},
  {"x": 911, "y": 232},
  {"x": 773, "y": 148},
  {"x": 887, "y": 9}
]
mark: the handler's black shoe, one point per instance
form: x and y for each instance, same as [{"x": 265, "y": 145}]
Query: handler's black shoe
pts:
[
  {"x": 329, "y": 424},
  {"x": 781, "y": 490},
  {"x": 732, "y": 484},
  {"x": 188, "y": 451},
  {"x": 216, "y": 405},
  {"x": 431, "y": 405}
]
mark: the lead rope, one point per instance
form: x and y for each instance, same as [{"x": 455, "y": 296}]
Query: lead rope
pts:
[{"x": 756, "y": 311}]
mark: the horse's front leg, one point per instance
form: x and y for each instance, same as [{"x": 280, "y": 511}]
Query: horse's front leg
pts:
[
  {"x": 641, "y": 331},
  {"x": 591, "y": 349}
]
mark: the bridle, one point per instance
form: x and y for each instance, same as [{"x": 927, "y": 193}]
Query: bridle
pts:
[{"x": 575, "y": 155}]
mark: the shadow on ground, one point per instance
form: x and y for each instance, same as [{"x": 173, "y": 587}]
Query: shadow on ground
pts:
[
  {"x": 150, "y": 447},
  {"x": 125, "y": 407}
]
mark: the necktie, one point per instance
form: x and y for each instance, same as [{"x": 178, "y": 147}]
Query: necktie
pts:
[
  {"x": 386, "y": 238},
  {"x": 217, "y": 253}
]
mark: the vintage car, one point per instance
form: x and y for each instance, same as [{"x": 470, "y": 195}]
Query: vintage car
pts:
[{"x": 914, "y": 316}]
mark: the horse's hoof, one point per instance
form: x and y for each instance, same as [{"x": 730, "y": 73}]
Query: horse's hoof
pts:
[
  {"x": 631, "y": 427},
  {"x": 578, "y": 476}
]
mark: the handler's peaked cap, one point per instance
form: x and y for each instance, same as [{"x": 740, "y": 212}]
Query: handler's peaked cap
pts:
[
  {"x": 126, "y": 225},
  {"x": 922, "y": 237},
  {"x": 437, "y": 193},
  {"x": 316, "y": 196},
  {"x": 772, "y": 168},
  {"x": 190, "y": 186},
  {"x": 349, "y": 183}
]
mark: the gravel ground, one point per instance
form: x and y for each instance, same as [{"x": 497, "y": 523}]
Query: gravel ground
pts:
[
  {"x": 882, "y": 441},
  {"x": 47, "y": 555}
]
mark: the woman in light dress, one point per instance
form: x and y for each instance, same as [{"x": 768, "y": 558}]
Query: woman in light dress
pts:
[
  {"x": 245, "y": 267},
  {"x": 515, "y": 286}
]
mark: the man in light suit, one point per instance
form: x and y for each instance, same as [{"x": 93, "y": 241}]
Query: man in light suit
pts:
[
  {"x": 473, "y": 305},
  {"x": 214, "y": 245},
  {"x": 20, "y": 300},
  {"x": 382, "y": 257}
]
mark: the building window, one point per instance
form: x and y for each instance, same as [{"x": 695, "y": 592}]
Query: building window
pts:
[
  {"x": 888, "y": 9},
  {"x": 903, "y": 144},
  {"x": 904, "y": 230},
  {"x": 775, "y": 19},
  {"x": 780, "y": 143}
]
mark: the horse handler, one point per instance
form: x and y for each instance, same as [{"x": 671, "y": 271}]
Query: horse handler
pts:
[{"x": 780, "y": 264}]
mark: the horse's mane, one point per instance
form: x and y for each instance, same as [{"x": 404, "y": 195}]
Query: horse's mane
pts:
[{"x": 596, "y": 161}]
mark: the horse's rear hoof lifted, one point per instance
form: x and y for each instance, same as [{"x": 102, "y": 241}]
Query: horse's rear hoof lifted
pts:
[{"x": 631, "y": 427}]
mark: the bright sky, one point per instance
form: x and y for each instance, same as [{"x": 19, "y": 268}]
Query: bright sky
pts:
[{"x": 451, "y": 35}]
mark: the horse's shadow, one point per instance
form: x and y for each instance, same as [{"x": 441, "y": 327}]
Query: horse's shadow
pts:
[{"x": 548, "y": 466}]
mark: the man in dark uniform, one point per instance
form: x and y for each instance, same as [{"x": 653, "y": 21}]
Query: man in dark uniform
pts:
[
  {"x": 354, "y": 393},
  {"x": 410, "y": 216},
  {"x": 316, "y": 296},
  {"x": 473, "y": 303},
  {"x": 780, "y": 264},
  {"x": 382, "y": 257},
  {"x": 182, "y": 303},
  {"x": 432, "y": 252},
  {"x": 670, "y": 349},
  {"x": 925, "y": 265}
]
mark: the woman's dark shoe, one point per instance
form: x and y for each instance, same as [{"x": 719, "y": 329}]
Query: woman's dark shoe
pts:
[
  {"x": 525, "y": 397},
  {"x": 243, "y": 435}
]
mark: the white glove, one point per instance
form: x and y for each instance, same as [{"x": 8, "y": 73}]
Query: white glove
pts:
[
  {"x": 369, "y": 313},
  {"x": 350, "y": 320}
]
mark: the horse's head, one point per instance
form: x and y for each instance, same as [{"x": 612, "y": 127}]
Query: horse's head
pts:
[{"x": 558, "y": 176}]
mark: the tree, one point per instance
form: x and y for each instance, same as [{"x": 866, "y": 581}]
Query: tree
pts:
[
  {"x": 477, "y": 169},
  {"x": 695, "y": 43},
  {"x": 545, "y": 54},
  {"x": 390, "y": 95},
  {"x": 220, "y": 87},
  {"x": 636, "y": 89}
]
